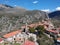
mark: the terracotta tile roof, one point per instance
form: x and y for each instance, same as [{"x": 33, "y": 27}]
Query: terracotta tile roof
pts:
[
  {"x": 23, "y": 26},
  {"x": 58, "y": 28},
  {"x": 53, "y": 31},
  {"x": 18, "y": 39},
  {"x": 11, "y": 34},
  {"x": 1, "y": 39},
  {"x": 29, "y": 43},
  {"x": 31, "y": 25},
  {"x": 58, "y": 38}
]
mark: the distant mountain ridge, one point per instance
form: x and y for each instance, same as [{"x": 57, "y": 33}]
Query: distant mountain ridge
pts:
[
  {"x": 18, "y": 11},
  {"x": 55, "y": 16},
  {"x": 4, "y": 6}
]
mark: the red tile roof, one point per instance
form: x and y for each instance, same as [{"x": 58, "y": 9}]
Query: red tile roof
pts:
[
  {"x": 1, "y": 39},
  {"x": 29, "y": 43},
  {"x": 23, "y": 26},
  {"x": 53, "y": 31},
  {"x": 31, "y": 25},
  {"x": 58, "y": 38},
  {"x": 11, "y": 34}
]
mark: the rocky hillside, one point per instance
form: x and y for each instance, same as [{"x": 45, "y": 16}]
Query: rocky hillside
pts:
[{"x": 12, "y": 18}]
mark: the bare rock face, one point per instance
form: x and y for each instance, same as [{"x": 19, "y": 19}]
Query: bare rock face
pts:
[{"x": 12, "y": 18}]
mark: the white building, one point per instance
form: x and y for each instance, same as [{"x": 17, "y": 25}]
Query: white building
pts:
[
  {"x": 18, "y": 36},
  {"x": 33, "y": 35}
]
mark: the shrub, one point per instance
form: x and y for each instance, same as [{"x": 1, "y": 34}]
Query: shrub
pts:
[{"x": 31, "y": 30}]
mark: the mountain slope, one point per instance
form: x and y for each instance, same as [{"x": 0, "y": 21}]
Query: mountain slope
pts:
[
  {"x": 13, "y": 18},
  {"x": 6, "y": 9},
  {"x": 55, "y": 16}
]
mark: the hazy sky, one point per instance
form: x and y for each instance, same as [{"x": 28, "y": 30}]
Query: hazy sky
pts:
[{"x": 45, "y": 5}]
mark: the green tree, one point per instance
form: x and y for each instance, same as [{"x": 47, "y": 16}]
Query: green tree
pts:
[
  {"x": 31, "y": 30},
  {"x": 16, "y": 44},
  {"x": 40, "y": 28}
]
